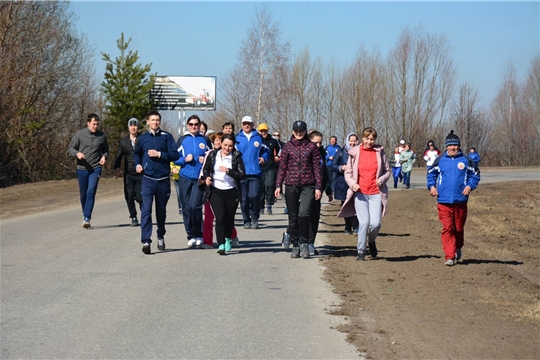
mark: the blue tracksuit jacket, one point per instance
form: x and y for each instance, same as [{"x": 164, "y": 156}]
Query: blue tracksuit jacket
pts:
[
  {"x": 155, "y": 168},
  {"x": 331, "y": 151},
  {"x": 450, "y": 175},
  {"x": 197, "y": 145},
  {"x": 252, "y": 150}
]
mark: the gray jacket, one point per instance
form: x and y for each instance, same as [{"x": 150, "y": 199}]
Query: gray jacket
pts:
[{"x": 92, "y": 145}]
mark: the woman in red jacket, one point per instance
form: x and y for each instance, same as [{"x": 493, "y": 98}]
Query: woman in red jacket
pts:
[{"x": 366, "y": 174}]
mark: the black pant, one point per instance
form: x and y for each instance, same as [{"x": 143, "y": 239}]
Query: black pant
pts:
[
  {"x": 224, "y": 204},
  {"x": 351, "y": 222},
  {"x": 132, "y": 192},
  {"x": 314, "y": 218},
  {"x": 298, "y": 200},
  {"x": 268, "y": 187}
]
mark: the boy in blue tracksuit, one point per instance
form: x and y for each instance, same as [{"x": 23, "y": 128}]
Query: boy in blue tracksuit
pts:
[
  {"x": 331, "y": 150},
  {"x": 192, "y": 149},
  {"x": 153, "y": 153},
  {"x": 254, "y": 153},
  {"x": 451, "y": 178}
]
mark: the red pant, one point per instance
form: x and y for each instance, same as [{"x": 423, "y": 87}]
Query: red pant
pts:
[
  {"x": 208, "y": 225},
  {"x": 452, "y": 218}
]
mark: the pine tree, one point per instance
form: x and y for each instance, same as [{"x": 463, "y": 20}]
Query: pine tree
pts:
[{"x": 126, "y": 89}]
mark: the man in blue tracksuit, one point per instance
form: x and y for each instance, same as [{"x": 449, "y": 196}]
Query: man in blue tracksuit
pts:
[
  {"x": 153, "y": 153},
  {"x": 192, "y": 148},
  {"x": 254, "y": 153},
  {"x": 451, "y": 178},
  {"x": 331, "y": 150}
]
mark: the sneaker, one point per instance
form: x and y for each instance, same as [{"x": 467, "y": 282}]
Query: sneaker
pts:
[
  {"x": 449, "y": 262},
  {"x": 269, "y": 210},
  {"x": 458, "y": 254},
  {"x": 207, "y": 246},
  {"x": 355, "y": 231},
  {"x": 86, "y": 223},
  {"x": 285, "y": 211},
  {"x": 221, "y": 249},
  {"x": 286, "y": 240},
  {"x": 227, "y": 245},
  {"x": 305, "y": 251},
  {"x": 199, "y": 241},
  {"x": 235, "y": 242},
  {"x": 247, "y": 224},
  {"x": 255, "y": 224},
  {"x": 179, "y": 211},
  {"x": 348, "y": 232},
  {"x": 311, "y": 249},
  {"x": 134, "y": 222},
  {"x": 361, "y": 257},
  {"x": 373, "y": 250},
  {"x": 262, "y": 210},
  {"x": 191, "y": 242},
  {"x": 161, "y": 244},
  {"x": 146, "y": 248},
  {"x": 295, "y": 254}
]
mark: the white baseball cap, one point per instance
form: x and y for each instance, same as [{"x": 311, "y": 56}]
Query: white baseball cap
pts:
[{"x": 247, "y": 119}]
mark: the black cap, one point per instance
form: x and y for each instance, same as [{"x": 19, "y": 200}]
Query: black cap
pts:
[
  {"x": 299, "y": 125},
  {"x": 452, "y": 139}
]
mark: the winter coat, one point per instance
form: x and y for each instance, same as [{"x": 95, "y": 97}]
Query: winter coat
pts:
[
  {"x": 451, "y": 175},
  {"x": 340, "y": 185},
  {"x": 407, "y": 159},
  {"x": 300, "y": 164},
  {"x": 351, "y": 177}
]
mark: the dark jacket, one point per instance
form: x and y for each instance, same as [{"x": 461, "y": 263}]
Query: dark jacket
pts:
[
  {"x": 126, "y": 149},
  {"x": 300, "y": 164},
  {"x": 273, "y": 150},
  {"x": 156, "y": 168},
  {"x": 237, "y": 172},
  {"x": 340, "y": 185},
  {"x": 92, "y": 145}
]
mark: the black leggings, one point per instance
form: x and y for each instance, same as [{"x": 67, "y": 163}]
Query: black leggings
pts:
[{"x": 224, "y": 204}]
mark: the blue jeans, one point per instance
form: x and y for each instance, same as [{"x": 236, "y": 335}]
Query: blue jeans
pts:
[
  {"x": 250, "y": 199},
  {"x": 407, "y": 178},
  {"x": 88, "y": 183},
  {"x": 160, "y": 190}
]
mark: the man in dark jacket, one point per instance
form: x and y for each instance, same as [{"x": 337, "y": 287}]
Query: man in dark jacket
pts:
[
  {"x": 268, "y": 181},
  {"x": 132, "y": 180},
  {"x": 153, "y": 153}
]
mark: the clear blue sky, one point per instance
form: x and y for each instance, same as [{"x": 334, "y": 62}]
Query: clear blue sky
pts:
[{"x": 203, "y": 38}]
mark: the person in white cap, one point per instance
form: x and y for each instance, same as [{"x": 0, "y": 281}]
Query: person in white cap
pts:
[
  {"x": 132, "y": 179},
  {"x": 254, "y": 153}
]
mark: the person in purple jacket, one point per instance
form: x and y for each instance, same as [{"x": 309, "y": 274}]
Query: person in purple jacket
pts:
[{"x": 300, "y": 170}]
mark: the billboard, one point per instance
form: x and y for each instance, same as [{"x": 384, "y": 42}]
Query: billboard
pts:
[{"x": 184, "y": 93}]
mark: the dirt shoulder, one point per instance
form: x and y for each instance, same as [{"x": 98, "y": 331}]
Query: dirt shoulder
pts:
[{"x": 406, "y": 304}]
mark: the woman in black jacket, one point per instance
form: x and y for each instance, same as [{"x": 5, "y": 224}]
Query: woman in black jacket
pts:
[{"x": 222, "y": 172}]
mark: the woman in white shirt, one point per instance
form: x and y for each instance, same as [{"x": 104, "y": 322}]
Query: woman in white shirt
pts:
[{"x": 222, "y": 172}]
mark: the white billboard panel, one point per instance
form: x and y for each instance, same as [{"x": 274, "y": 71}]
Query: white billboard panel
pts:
[{"x": 184, "y": 93}]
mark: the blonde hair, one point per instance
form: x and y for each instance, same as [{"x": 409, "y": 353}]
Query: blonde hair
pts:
[{"x": 369, "y": 131}]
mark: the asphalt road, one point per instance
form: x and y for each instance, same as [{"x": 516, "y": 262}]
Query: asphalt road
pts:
[{"x": 72, "y": 293}]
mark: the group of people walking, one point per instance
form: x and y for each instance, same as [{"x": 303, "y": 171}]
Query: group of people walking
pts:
[{"x": 253, "y": 168}]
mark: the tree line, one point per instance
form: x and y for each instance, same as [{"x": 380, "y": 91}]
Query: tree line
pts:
[{"x": 48, "y": 85}]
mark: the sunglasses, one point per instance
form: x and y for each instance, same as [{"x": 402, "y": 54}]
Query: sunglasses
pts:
[
  {"x": 193, "y": 124},
  {"x": 276, "y": 135}
]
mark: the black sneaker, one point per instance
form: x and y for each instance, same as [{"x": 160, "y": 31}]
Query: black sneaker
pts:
[
  {"x": 305, "y": 251},
  {"x": 373, "y": 250},
  {"x": 161, "y": 244},
  {"x": 361, "y": 257},
  {"x": 134, "y": 222},
  {"x": 295, "y": 254},
  {"x": 146, "y": 248}
]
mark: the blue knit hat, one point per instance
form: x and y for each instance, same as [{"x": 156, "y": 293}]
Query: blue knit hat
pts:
[{"x": 452, "y": 139}]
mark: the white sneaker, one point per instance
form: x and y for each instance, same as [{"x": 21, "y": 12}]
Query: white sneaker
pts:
[
  {"x": 198, "y": 241},
  {"x": 191, "y": 243},
  {"x": 449, "y": 262}
]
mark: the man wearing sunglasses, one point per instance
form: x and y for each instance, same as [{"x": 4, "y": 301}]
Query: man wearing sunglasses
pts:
[{"x": 192, "y": 148}]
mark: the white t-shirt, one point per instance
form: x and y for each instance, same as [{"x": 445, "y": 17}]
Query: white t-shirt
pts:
[{"x": 222, "y": 180}]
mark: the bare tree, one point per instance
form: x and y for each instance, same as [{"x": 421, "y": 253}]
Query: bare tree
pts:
[{"x": 46, "y": 83}]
